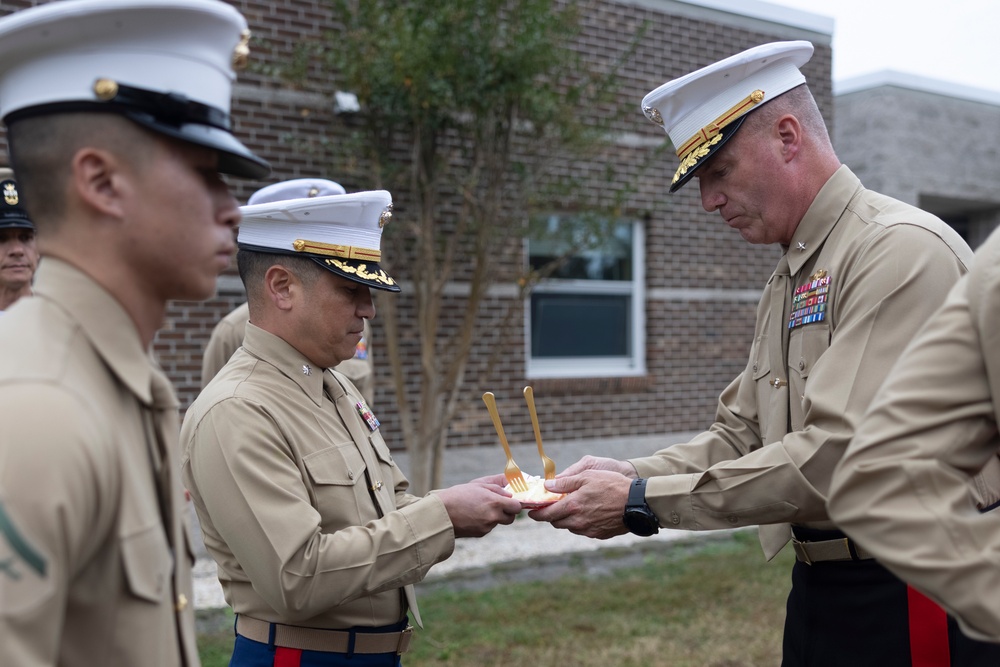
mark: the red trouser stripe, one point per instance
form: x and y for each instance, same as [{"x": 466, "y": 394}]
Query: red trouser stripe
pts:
[
  {"x": 287, "y": 657},
  {"x": 928, "y": 631}
]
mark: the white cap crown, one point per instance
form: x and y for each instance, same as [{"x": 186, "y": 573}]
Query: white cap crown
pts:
[
  {"x": 341, "y": 232},
  {"x": 297, "y": 188},
  {"x": 166, "y": 64},
  {"x": 696, "y": 109}
]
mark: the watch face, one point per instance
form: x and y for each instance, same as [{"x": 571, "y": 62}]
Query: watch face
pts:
[
  {"x": 641, "y": 521},
  {"x": 638, "y": 518}
]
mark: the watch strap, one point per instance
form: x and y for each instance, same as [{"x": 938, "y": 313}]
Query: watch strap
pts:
[{"x": 637, "y": 493}]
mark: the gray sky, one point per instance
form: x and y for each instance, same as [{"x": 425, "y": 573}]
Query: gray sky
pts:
[{"x": 956, "y": 40}]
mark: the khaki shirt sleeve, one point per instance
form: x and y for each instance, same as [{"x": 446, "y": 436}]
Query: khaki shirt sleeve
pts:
[
  {"x": 889, "y": 291},
  {"x": 903, "y": 488},
  {"x": 225, "y": 340},
  {"x": 254, "y": 491},
  {"x": 58, "y": 493}
]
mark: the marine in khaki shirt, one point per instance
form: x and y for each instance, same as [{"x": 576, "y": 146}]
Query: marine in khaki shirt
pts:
[
  {"x": 300, "y": 502},
  {"x": 228, "y": 333},
  {"x": 131, "y": 210},
  {"x": 18, "y": 249},
  {"x": 859, "y": 275},
  {"x": 97, "y": 556},
  {"x": 903, "y": 487}
]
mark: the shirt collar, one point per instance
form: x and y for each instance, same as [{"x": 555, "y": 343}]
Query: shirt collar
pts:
[
  {"x": 286, "y": 359},
  {"x": 823, "y": 215},
  {"x": 103, "y": 321}
]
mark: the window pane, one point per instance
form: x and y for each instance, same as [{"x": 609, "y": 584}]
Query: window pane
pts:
[
  {"x": 580, "y": 325},
  {"x": 582, "y": 249}
]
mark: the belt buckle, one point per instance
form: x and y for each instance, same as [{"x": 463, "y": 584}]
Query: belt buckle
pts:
[
  {"x": 800, "y": 551},
  {"x": 404, "y": 640}
]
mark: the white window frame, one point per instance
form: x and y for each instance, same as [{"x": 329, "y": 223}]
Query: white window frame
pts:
[{"x": 579, "y": 367}]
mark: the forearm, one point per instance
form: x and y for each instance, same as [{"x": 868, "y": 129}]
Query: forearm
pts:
[
  {"x": 768, "y": 485},
  {"x": 328, "y": 570},
  {"x": 733, "y": 434}
]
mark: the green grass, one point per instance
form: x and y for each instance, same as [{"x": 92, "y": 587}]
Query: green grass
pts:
[
  {"x": 215, "y": 636},
  {"x": 710, "y": 604}
]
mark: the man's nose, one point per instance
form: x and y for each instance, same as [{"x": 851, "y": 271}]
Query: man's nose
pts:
[
  {"x": 711, "y": 200},
  {"x": 228, "y": 209},
  {"x": 366, "y": 304}
]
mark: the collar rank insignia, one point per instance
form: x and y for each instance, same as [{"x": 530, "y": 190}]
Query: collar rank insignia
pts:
[
  {"x": 367, "y": 414},
  {"x": 810, "y": 300}
]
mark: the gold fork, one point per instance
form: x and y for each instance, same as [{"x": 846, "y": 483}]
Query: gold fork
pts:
[
  {"x": 510, "y": 471},
  {"x": 547, "y": 463}
]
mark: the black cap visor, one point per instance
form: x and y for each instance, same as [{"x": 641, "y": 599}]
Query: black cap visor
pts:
[
  {"x": 701, "y": 154},
  {"x": 169, "y": 114},
  {"x": 234, "y": 158},
  {"x": 15, "y": 223},
  {"x": 360, "y": 271}
]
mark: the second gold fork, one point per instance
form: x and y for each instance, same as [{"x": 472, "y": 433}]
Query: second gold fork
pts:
[{"x": 547, "y": 463}]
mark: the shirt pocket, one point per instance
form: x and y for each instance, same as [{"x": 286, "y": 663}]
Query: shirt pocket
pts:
[
  {"x": 760, "y": 366},
  {"x": 340, "y": 465},
  {"x": 147, "y": 563},
  {"x": 334, "y": 474},
  {"x": 805, "y": 347},
  {"x": 760, "y": 371},
  {"x": 381, "y": 449}
]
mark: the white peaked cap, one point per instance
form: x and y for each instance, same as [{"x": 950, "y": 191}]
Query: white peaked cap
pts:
[
  {"x": 298, "y": 188},
  {"x": 701, "y": 110},
  {"x": 340, "y": 232},
  {"x": 168, "y": 65}
]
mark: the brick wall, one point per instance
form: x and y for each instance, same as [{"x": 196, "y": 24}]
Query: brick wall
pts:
[{"x": 695, "y": 346}]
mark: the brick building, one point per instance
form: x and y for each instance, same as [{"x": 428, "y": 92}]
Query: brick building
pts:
[{"x": 687, "y": 304}]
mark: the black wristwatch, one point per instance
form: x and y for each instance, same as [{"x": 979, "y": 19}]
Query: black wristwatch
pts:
[{"x": 638, "y": 518}]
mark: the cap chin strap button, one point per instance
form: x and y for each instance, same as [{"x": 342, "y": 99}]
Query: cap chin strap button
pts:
[{"x": 170, "y": 108}]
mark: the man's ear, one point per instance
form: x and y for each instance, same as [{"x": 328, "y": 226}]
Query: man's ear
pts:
[
  {"x": 789, "y": 131},
  {"x": 98, "y": 180},
  {"x": 282, "y": 287}
]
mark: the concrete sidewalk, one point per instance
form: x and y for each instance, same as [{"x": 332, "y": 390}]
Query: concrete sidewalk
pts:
[{"x": 525, "y": 540}]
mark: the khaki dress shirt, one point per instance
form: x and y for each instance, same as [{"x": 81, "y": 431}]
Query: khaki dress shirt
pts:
[
  {"x": 95, "y": 560},
  {"x": 903, "y": 488},
  {"x": 289, "y": 483},
  {"x": 227, "y": 336},
  {"x": 784, "y": 423}
]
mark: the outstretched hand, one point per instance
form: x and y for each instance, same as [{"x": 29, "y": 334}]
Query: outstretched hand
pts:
[
  {"x": 477, "y": 507},
  {"x": 491, "y": 480},
  {"x": 600, "y": 463},
  {"x": 594, "y": 504}
]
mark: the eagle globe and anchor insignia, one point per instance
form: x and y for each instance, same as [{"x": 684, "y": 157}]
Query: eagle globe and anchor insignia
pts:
[{"x": 10, "y": 194}]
